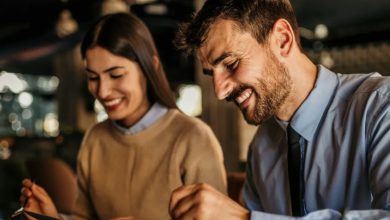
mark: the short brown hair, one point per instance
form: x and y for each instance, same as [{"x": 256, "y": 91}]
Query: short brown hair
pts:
[{"x": 254, "y": 16}]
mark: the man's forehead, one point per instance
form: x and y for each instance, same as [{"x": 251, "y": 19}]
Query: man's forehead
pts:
[{"x": 219, "y": 38}]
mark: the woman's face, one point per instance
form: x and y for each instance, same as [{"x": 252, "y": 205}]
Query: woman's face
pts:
[{"x": 119, "y": 85}]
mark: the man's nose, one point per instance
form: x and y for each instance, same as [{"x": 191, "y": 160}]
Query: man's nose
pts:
[{"x": 222, "y": 85}]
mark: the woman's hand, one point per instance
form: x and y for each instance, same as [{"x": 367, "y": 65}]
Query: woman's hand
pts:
[{"x": 35, "y": 199}]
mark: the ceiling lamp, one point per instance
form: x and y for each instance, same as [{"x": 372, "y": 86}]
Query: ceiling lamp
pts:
[
  {"x": 114, "y": 6},
  {"x": 66, "y": 25}
]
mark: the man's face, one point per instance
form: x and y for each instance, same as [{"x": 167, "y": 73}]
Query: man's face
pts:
[{"x": 244, "y": 71}]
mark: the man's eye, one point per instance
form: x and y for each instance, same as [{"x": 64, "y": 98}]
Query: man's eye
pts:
[{"x": 231, "y": 67}]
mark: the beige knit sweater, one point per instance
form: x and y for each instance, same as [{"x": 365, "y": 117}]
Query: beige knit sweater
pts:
[{"x": 134, "y": 175}]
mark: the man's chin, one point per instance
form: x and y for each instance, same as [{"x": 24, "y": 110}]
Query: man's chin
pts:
[
  {"x": 255, "y": 119},
  {"x": 250, "y": 118}
]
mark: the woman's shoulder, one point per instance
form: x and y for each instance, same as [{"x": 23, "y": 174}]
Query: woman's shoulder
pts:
[
  {"x": 191, "y": 130},
  {"x": 182, "y": 120},
  {"x": 98, "y": 130},
  {"x": 99, "y": 127}
]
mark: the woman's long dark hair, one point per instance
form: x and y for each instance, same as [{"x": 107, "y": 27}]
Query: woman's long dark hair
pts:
[{"x": 125, "y": 35}]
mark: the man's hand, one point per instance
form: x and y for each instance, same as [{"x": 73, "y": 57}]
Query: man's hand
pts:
[
  {"x": 203, "y": 202},
  {"x": 35, "y": 199}
]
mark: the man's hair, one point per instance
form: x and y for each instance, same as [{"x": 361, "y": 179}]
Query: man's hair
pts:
[{"x": 254, "y": 16}]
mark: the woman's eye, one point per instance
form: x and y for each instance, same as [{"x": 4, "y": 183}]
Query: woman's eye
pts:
[
  {"x": 116, "y": 76},
  {"x": 92, "y": 78}
]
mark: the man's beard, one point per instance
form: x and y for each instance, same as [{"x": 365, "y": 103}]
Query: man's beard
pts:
[{"x": 269, "y": 93}]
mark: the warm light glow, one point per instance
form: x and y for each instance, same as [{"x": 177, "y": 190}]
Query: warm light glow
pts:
[
  {"x": 66, "y": 24},
  {"x": 12, "y": 117},
  {"x": 190, "y": 100},
  {"x": 38, "y": 125},
  {"x": 114, "y": 6},
  {"x": 101, "y": 114},
  {"x": 51, "y": 125},
  {"x": 144, "y": 1},
  {"x": 25, "y": 102},
  {"x": 48, "y": 84},
  {"x": 156, "y": 9},
  {"x": 27, "y": 114},
  {"x": 321, "y": 31},
  {"x": 25, "y": 99},
  {"x": 12, "y": 82},
  {"x": 5, "y": 153},
  {"x": 16, "y": 125},
  {"x": 326, "y": 60}
]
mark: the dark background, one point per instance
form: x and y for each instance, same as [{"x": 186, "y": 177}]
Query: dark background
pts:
[{"x": 29, "y": 24}]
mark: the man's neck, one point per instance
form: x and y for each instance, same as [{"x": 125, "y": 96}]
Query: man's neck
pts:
[{"x": 303, "y": 74}]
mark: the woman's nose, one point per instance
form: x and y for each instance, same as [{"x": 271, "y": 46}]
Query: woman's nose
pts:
[{"x": 104, "y": 89}]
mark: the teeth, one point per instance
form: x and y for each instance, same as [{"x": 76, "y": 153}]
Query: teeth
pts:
[
  {"x": 244, "y": 95},
  {"x": 112, "y": 102}
]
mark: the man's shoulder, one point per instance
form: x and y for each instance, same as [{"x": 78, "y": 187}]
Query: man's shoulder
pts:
[
  {"x": 365, "y": 81},
  {"x": 376, "y": 83},
  {"x": 362, "y": 85},
  {"x": 366, "y": 95}
]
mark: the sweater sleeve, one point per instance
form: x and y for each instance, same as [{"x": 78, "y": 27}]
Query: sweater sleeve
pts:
[
  {"x": 203, "y": 158},
  {"x": 83, "y": 208}
]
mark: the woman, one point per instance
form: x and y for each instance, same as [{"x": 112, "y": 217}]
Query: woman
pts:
[{"x": 129, "y": 164}]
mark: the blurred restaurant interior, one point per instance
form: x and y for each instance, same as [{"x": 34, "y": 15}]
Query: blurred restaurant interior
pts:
[{"x": 45, "y": 107}]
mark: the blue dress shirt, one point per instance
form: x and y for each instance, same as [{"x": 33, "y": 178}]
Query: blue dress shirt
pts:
[{"x": 344, "y": 125}]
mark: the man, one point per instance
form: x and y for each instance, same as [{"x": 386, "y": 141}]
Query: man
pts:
[{"x": 322, "y": 150}]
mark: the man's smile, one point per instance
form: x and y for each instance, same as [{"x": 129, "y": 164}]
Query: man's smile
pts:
[{"x": 244, "y": 96}]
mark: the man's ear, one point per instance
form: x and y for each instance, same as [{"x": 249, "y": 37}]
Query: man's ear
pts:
[{"x": 283, "y": 37}]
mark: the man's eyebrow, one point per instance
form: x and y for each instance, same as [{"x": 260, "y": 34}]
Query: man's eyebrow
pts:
[
  {"x": 106, "y": 70},
  {"x": 216, "y": 62},
  {"x": 220, "y": 58}
]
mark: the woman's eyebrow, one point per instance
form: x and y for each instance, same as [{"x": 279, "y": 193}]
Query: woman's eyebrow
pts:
[{"x": 106, "y": 70}]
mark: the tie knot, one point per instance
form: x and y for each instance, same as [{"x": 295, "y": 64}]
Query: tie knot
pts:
[{"x": 292, "y": 135}]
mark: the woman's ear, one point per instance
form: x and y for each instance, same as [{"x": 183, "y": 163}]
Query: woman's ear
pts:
[
  {"x": 156, "y": 62},
  {"x": 283, "y": 37}
]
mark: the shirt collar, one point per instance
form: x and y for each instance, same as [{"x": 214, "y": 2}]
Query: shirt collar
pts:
[
  {"x": 309, "y": 114},
  {"x": 155, "y": 112}
]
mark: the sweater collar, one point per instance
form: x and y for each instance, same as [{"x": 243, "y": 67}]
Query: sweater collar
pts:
[{"x": 154, "y": 114}]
